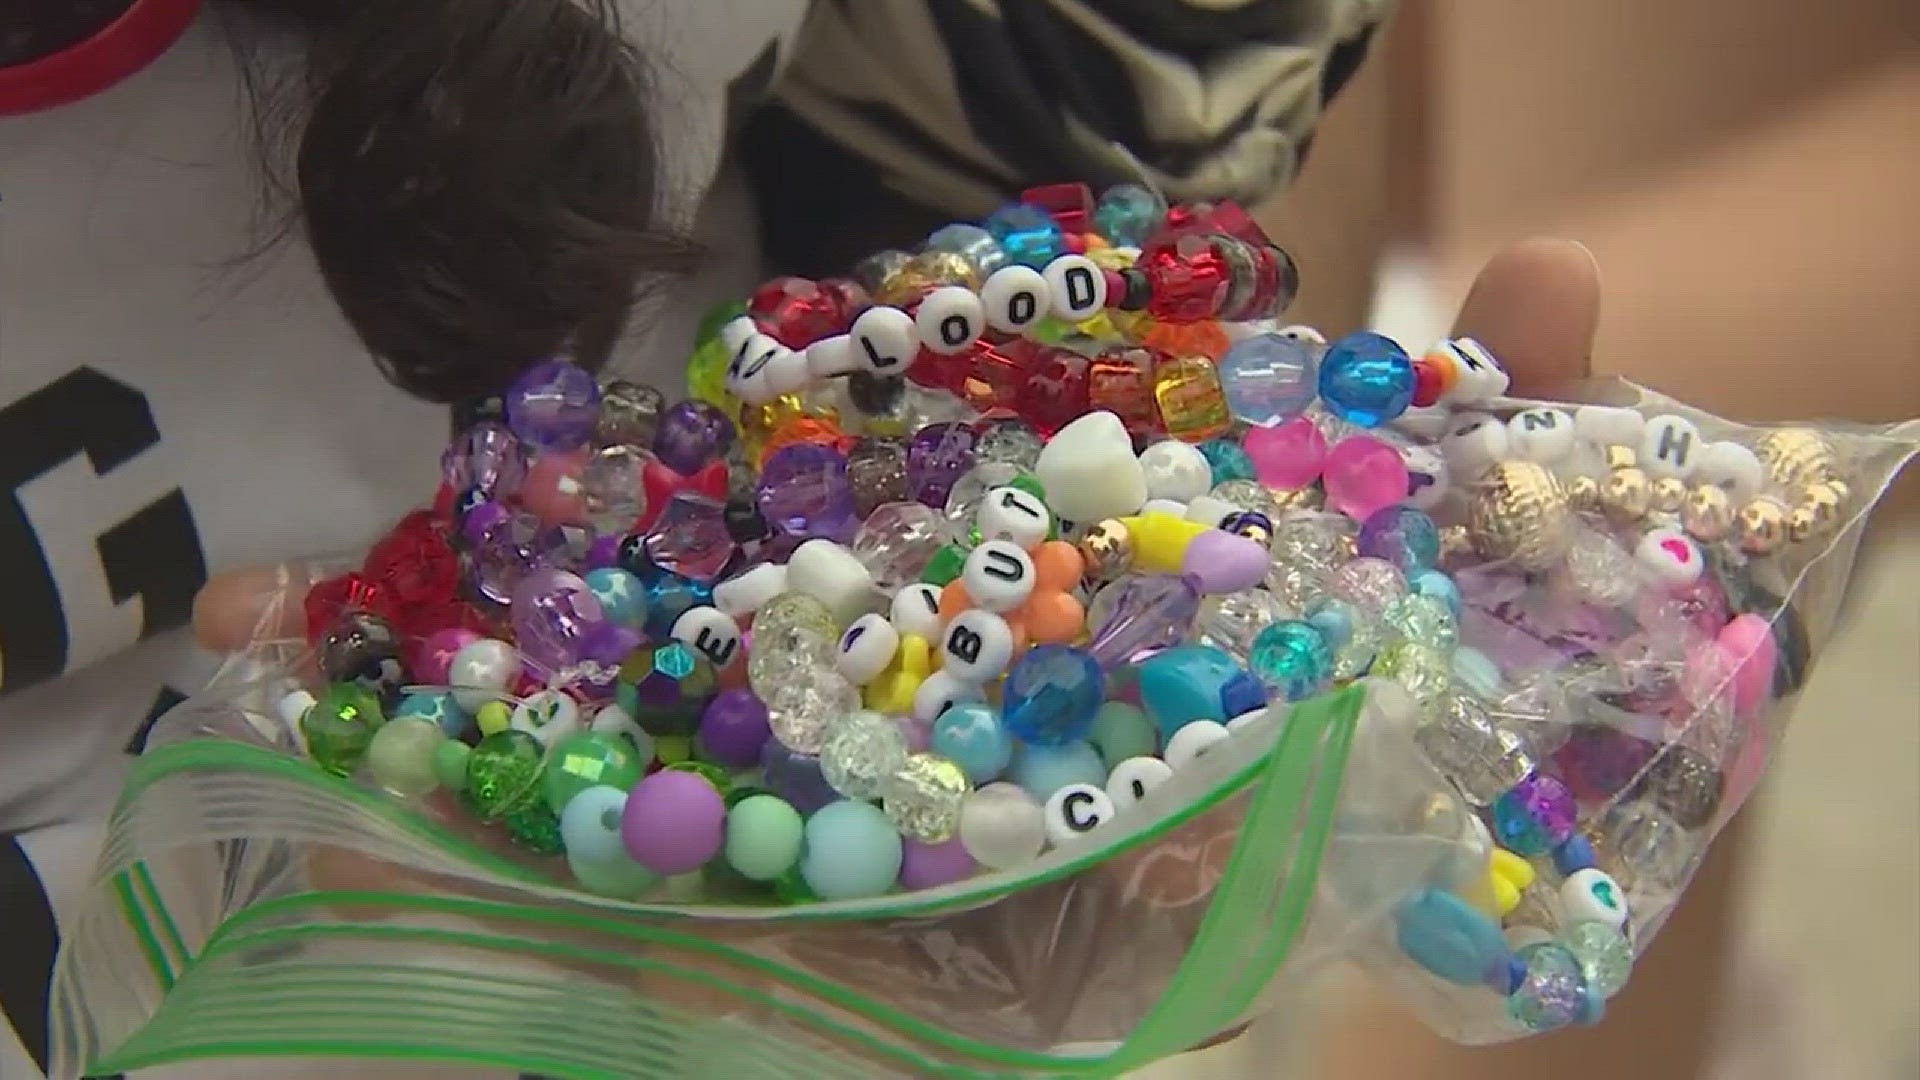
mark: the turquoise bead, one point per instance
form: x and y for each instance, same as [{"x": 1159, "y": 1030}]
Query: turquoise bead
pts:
[
  {"x": 590, "y": 825},
  {"x": 851, "y": 851},
  {"x": 1129, "y": 214},
  {"x": 1291, "y": 659},
  {"x": 1450, "y": 938},
  {"x": 623, "y": 599},
  {"x": 1228, "y": 460},
  {"x": 1336, "y": 619},
  {"x": 1366, "y": 379},
  {"x": 439, "y": 707},
  {"x": 972, "y": 736},
  {"x": 1051, "y": 695},
  {"x": 1187, "y": 683},
  {"x": 1027, "y": 234},
  {"x": 764, "y": 837},
  {"x": 1121, "y": 731},
  {"x": 1438, "y": 585},
  {"x": 1043, "y": 770}
]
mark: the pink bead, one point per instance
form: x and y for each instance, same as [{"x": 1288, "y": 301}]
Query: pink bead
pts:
[
  {"x": 1363, "y": 475},
  {"x": 434, "y": 655},
  {"x": 552, "y": 490},
  {"x": 1288, "y": 456},
  {"x": 1747, "y": 641}
]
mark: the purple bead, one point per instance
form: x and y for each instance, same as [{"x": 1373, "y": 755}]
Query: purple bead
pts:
[
  {"x": 1152, "y": 612},
  {"x": 734, "y": 730},
  {"x": 1401, "y": 535},
  {"x": 554, "y": 405},
  {"x": 504, "y": 556},
  {"x": 604, "y": 552},
  {"x": 562, "y": 547},
  {"x": 691, "y": 538},
  {"x": 804, "y": 491},
  {"x": 795, "y": 777},
  {"x": 1535, "y": 816},
  {"x": 936, "y": 457},
  {"x": 927, "y": 866},
  {"x": 1599, "y": 762},
  {"x": 691, "y": 434},
  {"x": 674, "y": 821},
  {"x": 485, "y": 456},
  {"x": 479, "y": 523},
  {"x": 601, "y": 650},
  {"x": 552, "y": 611}
]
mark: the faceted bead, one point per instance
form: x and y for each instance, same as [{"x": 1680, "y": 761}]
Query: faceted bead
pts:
[
  {"x": 552, "y": 611},
  {"x": 505, "y": 556},
  {"x": 1128, "y": 214},
  {"x": 972, "y": 243},
  {"x": 1120, "y": 380},
  {"x": 1051, "y": 695},
  {"x": 924, "y": 796},
  {"x": 897, "y": 541},
  {"x": 1189, "y": 280},
  {"x": 1228, "y": 461},
  {"x": 1055, "y": 391},
  {"x": 1187, "y": 392},
  {"x": 691, "y": 434},
  {"x": 486, "y": 457},
  {"x": 666, "y": 686},
  {"x": 802, "y": 706},
  {"x": 1604, "y": 954},
  {"x": 1206, "y": 339},
  {"x": 1484, "y": 759},
  {"x": 668, "y": 597},
  {"x": 1292, "y": 659},
  {"x": 1143, "y": 614},
  {"x": 877, "y": 470},
  {"x": 586, "y": 760},
  {"x": 1364, "y": 475},
  {"x": 1028, "y": 235},
  {"x": 1366, "y": 379},
  {"x": 1231, "y": 623},
  {"x": 1402, "y": 536},
  {"x": 859, "y": 752},
  {"x": 613, "y": 483},
  {"x": 804, "y": 491},
  {"x": 1552, "y": 994},
  {"x": 936, "y": 457},
  {"x": 503, "y": 773},
  {"x": 553, "y": 405},
  {"x": 1287, "y": 456},
  {"x": 629, "y": 414},
  {"x": 692, "y": 539},
  {"x": 794, "y": 312},
  {"x": 340, "y": 726},
  {"x": 1534, "y": 816},
  {"x": 1008, "y": 441}
]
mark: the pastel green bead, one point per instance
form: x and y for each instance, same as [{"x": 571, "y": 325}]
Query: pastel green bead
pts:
[
  {"x": 619, "y": 878},
  {"x": 852, "y": 851},
  {"x": 401, "y": 756},
  {"x": 764, "y": 836},
  {"x": 1121, "y": 731},
  {"x": 450, "y": 765}
]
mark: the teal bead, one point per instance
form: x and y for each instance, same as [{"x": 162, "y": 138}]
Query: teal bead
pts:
[
  {"x": 623, "y": 599},
  {"x": 1121, "y": 731},
  {"x": 1553, "y": 993},
  {"x": 340, "y": 727},
  {"x": 503, "y": 773},
  {"x": 972, "y": 736},
  {"x": 764, "y": 837},
  {"x": 1291, "y": 659},
  {"x": 1228, "y": 460},
  {"x": 1450, "y": 938},
  {"x": 1336, "y": 619},
  {"x": 586, "y": 760},
  {"x": 1437, "y": 584},
  {"x": 590, "y": 826},
  {"x": 439, "y": 707},
  {"x": 401, "y": 756},
  {"x": 1043, "y": 770},
  {"x": 1027, "y": 234},
  {"x": 1129, "y": 214},
  {"x": 450, "y": 765},
  {"x": 852, "y": 851},
  {"x": 1187, "y": 683},
  {"x": 618, "y": 878}
]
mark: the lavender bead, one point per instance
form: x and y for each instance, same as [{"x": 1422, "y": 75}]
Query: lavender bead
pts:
[
  {"x": 1150, "y": 613},
  {"x": 504, "y": 556},
  {"x": 478, "y": 523},
  {"x": 734, "y": 729},
  {"x": 486, "y": 456},
  {"x": 927, "y": 866},
  {"x": 691, "y": 538},
  {"x": 691, "y": 434},
  {"x": 795, "y": 777},
  {"x": 554, "y": 405},
  {"x": 604, "y": 552},
  {"x": 602, "y": 648},
  {"x": 804, "y": 491},
  {"x": 552, "y": 611},
  {"x": 562, "y": 547},
  {"x": 936, "y": 457}
]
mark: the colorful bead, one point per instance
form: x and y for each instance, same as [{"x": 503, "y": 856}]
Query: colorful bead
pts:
[
  {"x": 1553, "y": 993},
  {"x": 340, "y": 726},
  {"x": 1192, "y": 406},
  {"x": 589, "y": 760},
  {"x": 850, "y": 851},
  {"x": 503, "y": 773},
  {"x": 1129, "y": 214},
  {"x": 1052, "y": 695},
  {"x": 1287, "y": 456},
  {"x": 860, "y": 752},
  {"x": 1292, "y": 659},
  {"x": 1363, "y": 476},
  {"x": 673, "y": 822},
  {"x": 665, "y": 687},
  {"x": 1027, "y": 234},
  {"x": 973, "y": 737},
  {"x": 734, "y": 728},
  {"x": 1534, "y": 816},
  {"x": 1268, "y": 379},
  {"x": 553, "y": 405},
  {"x": 1366, "y": 379}
]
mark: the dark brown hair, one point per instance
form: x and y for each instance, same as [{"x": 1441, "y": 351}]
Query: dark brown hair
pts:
[{"x": 476, "y": 178}]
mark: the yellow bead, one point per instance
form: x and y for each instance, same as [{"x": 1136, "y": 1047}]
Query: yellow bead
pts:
[
  {"x": 1707, "y": 515},
  {"x": 1626, "y": 495},
  {"x": 707, "y": 374},
  {"x": 1583, "y": 493},
  {"x": 1107, "y": 550},
  {"x": 1136, "y": 325},
  {"x": 925, "y": 271},
  {"x": 1100, "y": 326},
  {"x": 1667, "y": 494},
  {"x": 672, "y": 748},
  {"x": 1621, "y": 457},
  {"x": 1192, "y": 405},
  {"x": 1112, "y": 258},
  {"x": 493, "y": 717},
  {"x": 1517, "y": 510},
  {"x": 1761, "y": 527},
  {"x": 891, "y": 692},
  {"x": 1160, "y": 541}
]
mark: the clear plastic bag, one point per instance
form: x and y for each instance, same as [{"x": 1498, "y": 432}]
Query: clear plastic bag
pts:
[{"x": 249, "y": 904}]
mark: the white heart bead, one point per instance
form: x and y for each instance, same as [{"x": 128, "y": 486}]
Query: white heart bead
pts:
[
  {"x": 831, "y": 357},
  {"x": 976, "y": 647},
  {"x": 1670, "y": 557},
  {"x": 884, "y": 340},
  {"x": 832, "y": 575},
  {"x": 480, "y": 672},
  {"x": 916, "y": 611},
  {"x": 1176, "y": 470},
  {"x": 1013, "y": 515},
  {"x": 709, "y": 632},
  {"x": 1015, "y": 297},
  {"x": 998, "y": 575},
  {"x": 1090, "y": 472},
  {"x": 1076, "y": 810},
  {"x": 949, "y": 319},
  {"x": 548, "y": 716},
  {"x": 1608, "y": 425},
  {"x": 1593, "y": 896},
  {"x": 614, "y": 721},
  {"x": 939, "y": 692},
  {"x": 1134, "y": 778},
  {"x": 1476, "y": 441},
  {"x": 1194, "y": 738},
  {"x": 1078, "y": 287},
  {"x": 1541, "y": 435},
  {"x": 749, "y": 592},
  {"x": 1669, "y": 446},
  {"x": 1731, "y": 467},
  {"x": 866, "y": 649}
]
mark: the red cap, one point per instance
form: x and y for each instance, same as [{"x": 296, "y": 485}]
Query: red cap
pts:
[{"x": 122, "y": 47}]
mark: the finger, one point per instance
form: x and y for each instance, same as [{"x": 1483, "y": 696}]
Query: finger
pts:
[
  {"x": 1536, "y": 306},
  {"x": 240, "y": 607}
]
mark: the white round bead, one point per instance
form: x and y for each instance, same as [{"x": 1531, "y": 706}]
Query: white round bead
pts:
[
  {"x": 976, "y": 647},
  {"x": 866, "y": 649},
  {"x": 1429, "y": 476},
  {"x": 949, "y": 319},
  {"x": 939, "y": 692},
  {"x": 1669, "y": 447},
  {"x": 1013, "y": 515},
  {"x": 1076, "y": 810},
  {"x": 751, "y": 591},
  {"x": 831, "y": 356},
  {"x": 1732, "y": 467},
  {"x": 1133, "y": 778},
  {"x": 1476, "y": 441},
  {"x": 1670, "y": 557},
  {"x": 709, "y": 632},
  {"x": 916, "y": 611},
  {"x": 1194, "y": 738},
  {"x": 548, "y": 715},
  {"x": 1210, "y": 511},
  {"x": 1002, "y": 826},
  {"x": 832, "y": 575},
  {"x": 747, "y": 376},
  {"x": 787, "y": 372},
  {"x": 480, "y": 672},
  {"x": 884, "y": 340},
  {"x": 736, "y": 333},
  {"x": 1541, "y": 435},
  {"x": 1176, "y": 470},
  {"x": 998, "y": 575},
  {"x": 1592, "y": 896},
  {"x": 1078, "y": 288},
  {"x": 1170, "y": 507},
  {"x": 1608, "y": 425},
  {"x": 1016, "y": 297}
]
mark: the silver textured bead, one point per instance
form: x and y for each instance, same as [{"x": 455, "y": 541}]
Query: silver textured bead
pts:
[{"x": 1483, "y": 758}]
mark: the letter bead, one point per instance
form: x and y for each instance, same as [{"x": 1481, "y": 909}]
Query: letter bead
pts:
[
  {"x": 1078, "y": 288},
  {"x": 1669, "y": 446},
  {"x": 976, "y": 647},
  {"x": 1015, "y": 297},
  {"x": 866, "y": 649},
  {"x": 709, "y": 632},
  {"x": 950, "y": 319},
  {"x": 1076, "y": 810},
  {"x": 1133, "y": 779},
  {"x": 1013, "y": 515},
  {"x": 916, "y": 611},
  {"x": 884, "y": 340},
  {"x": 998, "y": 575}
]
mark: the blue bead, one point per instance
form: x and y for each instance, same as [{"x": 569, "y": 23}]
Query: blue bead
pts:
[
  {"x": 1403, "y": 536},
  {"x": 1228, "y": 460},
  {"x": 1052, "y": 694},
  {"x": 1515, "y": 974},
  {"x": 1573, "y": 855},
  {"x": 668, "y": 597},
  {"x": 1438, "y": 585},
  {"x": 1043, "y": 770},
  {"x": 1187, "y": 683},
  {"x": 1291, "y": 659},
  {"x": 590, "y": 825},
  {"x": 972, "y": 736},
  {"x": 1336, "y": 619},
  {"x": 1268, "y": 378},
  {"x": 1447, "y": 936},
  {"x": 622, "y": 597},
  {"x": 852, "y": 851},
  {"x": 439, "y": 707},
  {"x": 970, "y": 242},
  {"x": 1128, "y": 215},
  {"x": 1028, "y": 234},
  {"x": 1366, "y": 379},
  {"x": 1242, "y": 694}
]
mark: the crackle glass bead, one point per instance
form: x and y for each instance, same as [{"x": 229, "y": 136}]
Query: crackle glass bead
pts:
[
  {"x": 503, "y": 773},
  {"x": 1643, "y": 848},
  {"x": 1231, "y": 622},
  {"x": 1355, "y": 656},
  {"x": 1482, "y": 758},
  {"x": 1425, "y": 672},
  {"x": 1297, "y": 584},
  {"x": 1403, "y": 536},
  {"x": 1369, "y": 584},
  {"x": 1553, "y": 993},
  {"x": 768, "y": 668},
  {"x": 340, "y": 726},
  {"x": 897, "y": 541},
  {"x": 802, "y": 706},
  {"x": 1533, "y": 816},
  {"x": 1008, "y": 442},
  {"x": 1604, "y": 954},
  {"x": 924, "y": 796},
  {"x": 859, "y": 752},
  {"x": 877, "y": 469},
  {"x": 1292, "y": 659},
  {"x": 787, "y": 619},
  {"x": 1422, "y": 620},
  {"x": 1249, "y": 494},
  {"x": 1323, "y": 540}
]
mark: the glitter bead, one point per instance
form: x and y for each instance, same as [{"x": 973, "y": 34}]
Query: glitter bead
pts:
[
  {"x": 1403, "y": 536},
  {"x": 1187, "y": 391},
  {"x": 1056, "y": 390},
  {"x": 553, "y": 405},
  {"x": 937, "y": 455},
  {"x": 1366, "y": 379},
  {"x": 503, "y": 773},
  {"x": 629, "y": 414},
  {"x": 1600, "y": 570},
  {"x": 1423, "y": 671},
  {"x": 788, "y": 619},
  {"x": 1297, "y": 584},
  {"x": 1422, "y": 620},
  {"x": 1534, "y": 816},
  {"x": 859, "y": 751},
  {"x": 1604, "y": 954},
  {"x": 1231, "y": 622},
  {"x": 1008, "y": 442},
  {"x": 1129, "y": 214},
  {"x": 923, "y": 798},
  {"x": 897, "y": 541},
  {"x": 970, "y": 242},
  {"x": 802, "y": 706},
  {"x": 1051, "y": 695},
  {"x": 1686, "y": 784},
  {"x": 340, "y": 726},
  {"x": 666, "y": 686},
  {"x": 1368, "y": 584},
  {"x": 1002, "y": 826},
  {"x": 1287, "y": 456},
  {"x": 1553, "y": 993},
  {"x": 1363, "y": 475},
  {"x": 1323, "y": 540},
  {"x": 1484, "y": 759},
  {"x": 1292, "y": 659},
  {"x": 1228, "y": 461},
  {"x": 804, "y": 491},
  {"x": 1027, "y": 234},
  {"x": 535, "y": 827}
]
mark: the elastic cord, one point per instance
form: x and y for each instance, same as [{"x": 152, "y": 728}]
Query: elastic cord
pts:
[{"x": 139, "y": 36}]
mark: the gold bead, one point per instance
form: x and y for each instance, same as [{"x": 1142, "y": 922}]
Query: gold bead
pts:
[
  {"x": 1825, "y": 501},
  {"x": 1107, "y": 549},
  {"x": 1801, "y": 526},
  {"x": 1518, "y": 511},
  {"x": 1455, "y": 543},
  {"x": 1761, "y": 527},
  {"x": 927, "y": 270},
  {"x": 1621, "y": 457},
  {"x": 1796, "y": 457},
  {"x": 1113, "y": 258},
  {"x": 1311, "y": 497},
  {"x": 1626, "y": 495},
  {"x": 1667, "y": 494},
  {"x": 1583, "y": 493},
  {"x": 1707, "y": 515}
]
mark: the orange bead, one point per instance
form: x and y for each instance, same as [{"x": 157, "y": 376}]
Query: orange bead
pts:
[
  {"x": 1057, "y": 566},
  {"x": 1021, "y": 637},
  {"x": 1206, "y": 339},
  {"x": 953, "y": 600},
  {"x": 805, "y": 429},
  {"x": 1054, "y": 618}
]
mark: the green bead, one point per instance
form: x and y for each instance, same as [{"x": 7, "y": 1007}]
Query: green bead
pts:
[
  {"x": 713, "y": 774},
  {"x": 672, "y": 749},
  {"x": 450, "y": 765},
  {"x": 763, "y": 837},
  {"x": 669, "y": 685},
  {"x": 503, "y": 773},
  {"x": 402, "y": 753},
  {"x": 945, "y": 565},
  {"x": 707, "y": 372},
  {"x": 586, "y": 760},
  {"x": 621, "y": 879},
  {"x": 717, "y": 317},
  {"x": 493, "y": 717},
  {"x": 340, "y": 727},
  {"x": 740, "y": 793},
  {"x": 1121, "y": 731},
  {"x": 792, "y": 888},
  {"x": 536, "y": 827}
]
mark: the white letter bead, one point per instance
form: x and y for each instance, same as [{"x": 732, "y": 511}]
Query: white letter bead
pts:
[
  {"x": 1303, "y": 333},
  {"x": 736, "y": 332},
  {"x": 614, "y": 721},
  {"x": 1669, "y": 446},
  {"x": 1477, "y": 441},
  {"x": 787, "y": 372},
  {"x": 1078, "y": 287},
  {"x": 1670, "y": 557},
  {"x": 950, "y": 318},
  {"x": 747, "y": 376},
  {"x": 1176, "y": 470},
  {"x": 1592, "y": 896},
  {"x": 916, "y": 611},
  {"x": 976, "y": 647},
  {"x": 1540, "y": 435},
  {"x": 1608, "y": 425},
  {"x": 884, "y": 340},
  {"x": 942, "y": 691},
  {"x": 548, "y": 716},
  {"x": 749, "y": 592},
  {"x": 1194, "y": 738},
  {"x": 998, "y": 576},
  {"x": 1428, "y": 476},
  {"x": 866, "y": 649},
  {"x": 1133, "y": 778},
  {"x": 830, "y": 357},
  {"x": 1481, "y": 378},
  {"x": 1076, "y": 810},
  {"x": 709, "y": 632},
  {"x": 1013, "y": 515},
  {"x": 1730, "y": 466},
  {"x": 1015, "y": 297}
]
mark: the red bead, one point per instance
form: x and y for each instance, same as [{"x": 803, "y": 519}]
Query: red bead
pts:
[
  {"x": 661, "y": 483},
  {"x": 1116, "y": 287},
  {"x": 413, "y": 566},
  {"x": 1055, "y": 392},
  {"x": 1231, "y": 218},
  {"x": 848, "y": 300},
  {"x": 942, "y": 371},
  {"x": 795, "y": 312},
  {"x": 1428, "y": 382},
  {"x": 1070, "y": 205},
  {"x": 996, "y": 375},
  {"x": 327, "y": 601},
  {"x": 1073, "y": 243},
  {"x": 1120, "y": 381},
  {"x": 443, "y": 503},
  {"x": 1188, "y": 279}
]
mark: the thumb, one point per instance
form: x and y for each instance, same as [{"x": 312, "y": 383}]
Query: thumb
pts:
[
  {"x": 240, "y": 607},
  {"x": 1536, "y": 307}
]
